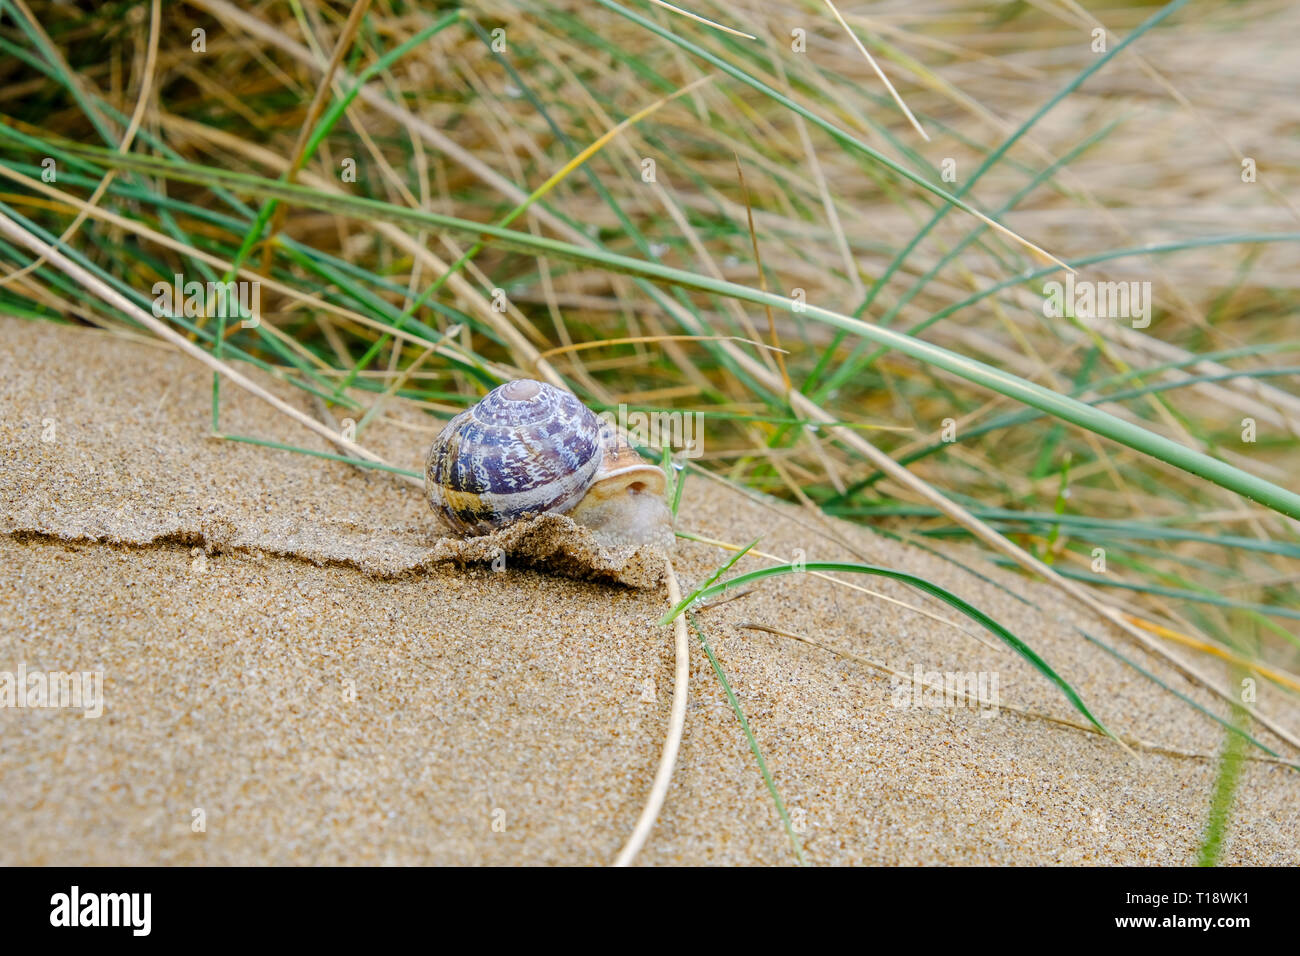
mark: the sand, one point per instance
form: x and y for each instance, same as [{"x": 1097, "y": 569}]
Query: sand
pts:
[{"x": 292, "y": 676}]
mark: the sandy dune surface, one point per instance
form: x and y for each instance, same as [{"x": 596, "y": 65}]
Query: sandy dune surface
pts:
[{"x": 292, "y": 675}]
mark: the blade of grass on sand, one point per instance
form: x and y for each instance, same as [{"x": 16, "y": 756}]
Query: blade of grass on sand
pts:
[
  {"x": 676, "y": 727},
  {"x": 877, "y": 595},
  {"x": 934, "y": 590},
  {"x": 753, "y": 742},
  {"x": 1226, "y": 781}
]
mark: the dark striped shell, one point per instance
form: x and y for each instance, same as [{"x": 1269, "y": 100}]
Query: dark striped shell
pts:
[{"x": 525, "y": 449}]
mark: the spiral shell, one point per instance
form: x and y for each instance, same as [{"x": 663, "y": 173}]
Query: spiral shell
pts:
[
  {"x": 529, "y": 448},
  {"x": 525, "y": 449}
]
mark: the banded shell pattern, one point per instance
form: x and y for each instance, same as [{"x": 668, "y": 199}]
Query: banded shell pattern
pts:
[{"x": 525, "y": 449}]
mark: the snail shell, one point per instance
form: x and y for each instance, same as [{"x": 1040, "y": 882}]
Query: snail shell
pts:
[{"x": 529, "y": 448}]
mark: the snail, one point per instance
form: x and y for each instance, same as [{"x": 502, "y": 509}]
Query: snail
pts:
[{"x": 529, "y": 448}]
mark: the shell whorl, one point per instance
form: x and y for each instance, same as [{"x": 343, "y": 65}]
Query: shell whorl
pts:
[{"x": 525, "y": 449}]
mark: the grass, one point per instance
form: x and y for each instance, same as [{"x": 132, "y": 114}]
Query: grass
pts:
[
  {"x": 1225, "y": 791},
  {"x": 899, "y": 299},
  {"x": 781, "y": 810},
  {"x": 710, "y": 589}
]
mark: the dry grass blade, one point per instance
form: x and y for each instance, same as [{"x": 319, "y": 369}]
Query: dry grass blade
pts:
[
  {"x": 673, "y": 739},
  {"x": 699, "y": 19},
  {"x": 762, "y": 277},
  {"x": 879, "y": 72}
]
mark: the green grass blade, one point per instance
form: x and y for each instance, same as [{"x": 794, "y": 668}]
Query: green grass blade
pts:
[
  {"x": 934, "y": 590},
  {"x": 753, "y": 742}
]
